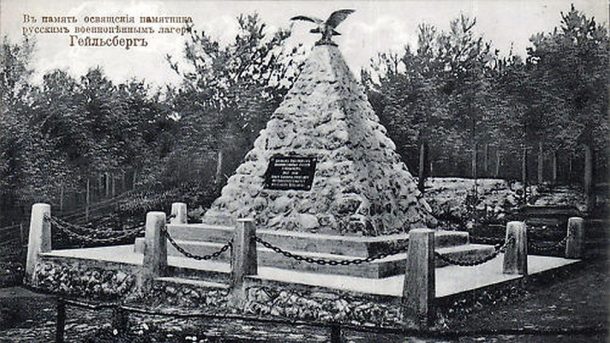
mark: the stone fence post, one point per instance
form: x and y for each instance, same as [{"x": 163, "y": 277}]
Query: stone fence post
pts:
[
  {"x": 419, "y": 284},
  {"x": 515, "y": 256},
  {"x": 179, "y": 213},
  {"x": 39, "y": 238},
  {"x": 575, "y": 243},
  {"x": 243, "y": 258},
  {"x": 154, "y": 263}
]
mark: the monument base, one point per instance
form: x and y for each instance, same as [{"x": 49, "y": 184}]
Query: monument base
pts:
[
  {"x": 203, "y": 239},
  {"x": 109, "y": 273}
]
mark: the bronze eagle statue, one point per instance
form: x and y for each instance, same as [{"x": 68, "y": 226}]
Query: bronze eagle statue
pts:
[{"x": 326, "y": 28}]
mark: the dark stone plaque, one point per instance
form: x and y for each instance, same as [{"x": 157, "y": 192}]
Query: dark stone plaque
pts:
[{"x": 290, "y": 172}]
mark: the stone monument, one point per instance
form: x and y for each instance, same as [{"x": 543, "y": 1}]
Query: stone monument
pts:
[{"x": 324, "y": 163}]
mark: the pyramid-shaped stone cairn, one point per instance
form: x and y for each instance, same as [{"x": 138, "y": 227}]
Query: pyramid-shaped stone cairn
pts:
[{"x": 326, "y": 125}]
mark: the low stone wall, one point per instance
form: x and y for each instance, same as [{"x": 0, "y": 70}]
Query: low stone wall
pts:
[
  {"x": 280, "y": 302},
  {"x": 93, "y": 280},
  {"x": 326, "y": 306},
  {"x": 187, "y": 296},
  {"x": 99, "y": 281}
]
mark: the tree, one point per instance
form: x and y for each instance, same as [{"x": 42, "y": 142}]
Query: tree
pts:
[
  {"x": 438, "y": 93},
  {"x": 229, "y": 92},
  {"x": 15, "y": 72},
  {"x": 414, "y": 104},
  {"x": 468, "y": 63},
  {"x": 572, "y": 63}
]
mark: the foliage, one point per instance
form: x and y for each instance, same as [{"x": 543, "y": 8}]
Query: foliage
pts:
[
  {"x": 453, "y": 93},
  {"x": 456, "y": 92},
  {"x": 228, "y": 94},
  {"x": 61, "y": 133},
  {"x": 572, "y": 63}
]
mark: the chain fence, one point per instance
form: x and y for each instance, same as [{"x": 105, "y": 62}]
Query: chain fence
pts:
[
  {"x": 188, "y": 254},
  {"x": 475, "y": 261},
  {"x": 487, "y": 240},
  {"x": 540, "y": 248},
  {"x": 548, "y": 248},
  {"x": 104, "y": 230},
  {"x": 330, "y": 262},
  {"x": 83, "y": 234},
  {"x": 71, "y": 230}
]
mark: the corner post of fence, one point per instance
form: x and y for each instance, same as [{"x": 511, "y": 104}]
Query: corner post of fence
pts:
[
  {"x": 39, "y": 240},
  {"x": 179, "y": 213},
  {"x": 154, "y": 263},
  {"x": 575, "y": 239},
  {"x": 515, "y": 255},
  {"x": 243, "y": 258},
  {"x": 419, "y": 284},
  {"x": 60, "y": 321}
]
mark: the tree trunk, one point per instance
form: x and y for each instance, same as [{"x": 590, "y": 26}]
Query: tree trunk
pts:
[
  {"x": 113, "y": 183},
  {"x": 554, "y": 165},
  {"x": 422, "y": 166},
  {"x": 570, "y": 168},
  {"x": 540, "y": 164},
  {"x": 497, "y": 171},
  {"x": 473, "y": 164},
  {"x": 219, "y": 166},
  {"x": 485, "y": 172},
  {"x": 588, "y": 174},
  {"x": 87, "y": 198},
  {"x": 100, "y": 185},
  {"x": 134, "y": 179},
  {"x": 61, "y": 197},
  {"x": 107, "y": 180},
  {"x": 524, "y": 172}
]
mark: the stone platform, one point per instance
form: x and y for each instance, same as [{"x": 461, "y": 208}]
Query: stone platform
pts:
[
  {"x": 203, "y": 239},
  {"x": 450, "y": 280}
]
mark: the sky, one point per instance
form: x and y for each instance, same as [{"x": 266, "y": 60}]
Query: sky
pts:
[{"x": 376, "y": 26}]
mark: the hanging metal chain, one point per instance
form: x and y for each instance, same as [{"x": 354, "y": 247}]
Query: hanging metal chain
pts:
[
  {"x": 169, "y": 218},
  {"x": 136, "y": 227},
  {"x": 543, "y": 248},
  {"x": 475, "y": 262},
  {"x": 487, "y": 240},
  {"x": 79, "y": 237},
  {"x": 329, "y": 262},
  {"x": 194, "y": 256}
]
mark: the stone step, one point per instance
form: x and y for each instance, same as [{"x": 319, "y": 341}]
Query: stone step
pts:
[
  {"x": 187, "y": 271},
  {"x": 385, "y": 267},
  {"x": 360, "y": 246},
  {"x": 192, "y": 282}
]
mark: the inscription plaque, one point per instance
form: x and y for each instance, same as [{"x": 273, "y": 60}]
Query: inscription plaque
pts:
[{"x": 290, "y": 172}]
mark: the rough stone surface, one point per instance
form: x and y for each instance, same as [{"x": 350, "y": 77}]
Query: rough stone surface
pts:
[
  {"x": 360, "y": 185},
  {"x": 111, "y": 283},
  {"x": 320, "y": 306},
  {"x": 77, "y": 279},
  {"x": 187, "y": 296}
]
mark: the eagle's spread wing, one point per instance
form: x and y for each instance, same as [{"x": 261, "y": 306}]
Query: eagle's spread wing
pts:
[
  {"x": 337, "y": 17},
  {"x": 305, "y": 18}
]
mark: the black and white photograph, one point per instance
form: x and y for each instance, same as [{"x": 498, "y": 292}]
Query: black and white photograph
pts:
[{"x": 304, "y": 171}]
